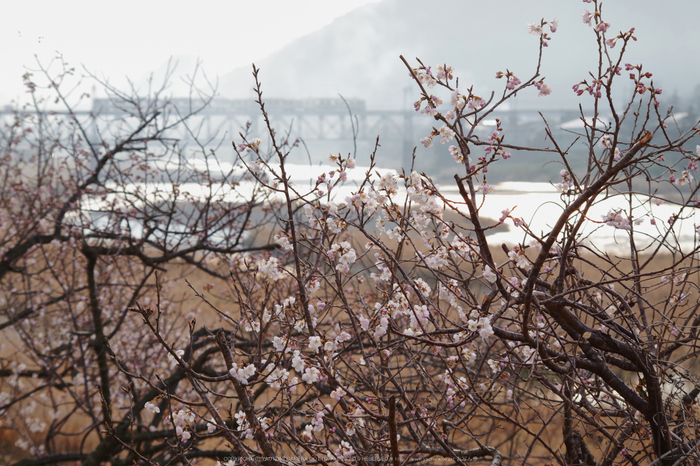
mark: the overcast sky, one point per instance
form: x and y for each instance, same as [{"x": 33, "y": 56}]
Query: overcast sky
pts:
[{"x": 133, "y": 37}]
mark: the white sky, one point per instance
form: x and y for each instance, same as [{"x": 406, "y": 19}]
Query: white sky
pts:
[{"x": 134, "y": 37}]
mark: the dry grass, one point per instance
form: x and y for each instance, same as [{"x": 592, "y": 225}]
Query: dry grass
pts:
[{"x": 537, "y": 416}]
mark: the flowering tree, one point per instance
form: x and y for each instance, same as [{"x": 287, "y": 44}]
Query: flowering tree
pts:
[
  {"x": 386, "y": 327},
  {"x": 92, "y": 208}
]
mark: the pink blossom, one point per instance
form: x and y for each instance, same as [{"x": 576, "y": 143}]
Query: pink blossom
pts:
[
  {"x": 534, "y": 29},
  {"x": 337, "y": 394},
  {"x": 602, "y": 27},
  {"x": 513, "y": 82},
  {"x": 586, "y": 16},
  {"x": 554, "y": 25},
  {"x": 476, "y": 102},
  {"x": 617, "y": 219},
  {"x": 489, "y": 275},
  {"x": 485, "y": 188},
  {"x": 617, "y": 156},
  {"x": 544, "y": 90},
  {"x": 504, "y": 215},
  {"x": 428, "y": 110},
  {"x": 444, "y": 71},
  {"x": 183, "y": 434},
  {"x": 605, "y": 142},
  {"x": 426, "y": 77},
  {"x": 436, "y": 101},
  {"x": 446, "y": 134},
  {"x": 457, "y": 100},
  {"x": 456, "y": 154}
]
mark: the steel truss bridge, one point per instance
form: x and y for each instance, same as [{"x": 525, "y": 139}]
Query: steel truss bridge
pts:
[
  {"x": 318, "y": 119},
  {"x": 331, "y": 119}
]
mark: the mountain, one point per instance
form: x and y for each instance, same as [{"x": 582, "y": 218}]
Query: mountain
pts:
[{"x": 358, "y": 54}]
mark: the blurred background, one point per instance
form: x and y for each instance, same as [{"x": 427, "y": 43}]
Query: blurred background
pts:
[{"x": 310, "y": 52}]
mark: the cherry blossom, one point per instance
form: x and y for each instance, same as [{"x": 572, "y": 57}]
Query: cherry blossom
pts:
[
  {"x": 489, "y": 275},
  {"x": 152, "y": 407},
  {"x": 617, "y": 219},
  {"x": 271, "y": 269},
  {"x": 534, "y": 29},
  {"x": 242, "y": 374}
]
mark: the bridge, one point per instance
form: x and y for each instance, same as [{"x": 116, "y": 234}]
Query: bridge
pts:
[
  {"x": 314, "y": 120},
  {"x": 319, "y": 119}
]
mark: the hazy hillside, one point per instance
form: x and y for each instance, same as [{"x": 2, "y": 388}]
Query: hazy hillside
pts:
[{"x": 358, "y": 54}]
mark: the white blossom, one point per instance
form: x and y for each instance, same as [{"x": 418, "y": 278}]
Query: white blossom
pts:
[
  {"x": 242, "y": 374},
  {"x": 271, "y": 269},
  {"x": 152, "y": 407},
  {"x": 489, "y": 275}
]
